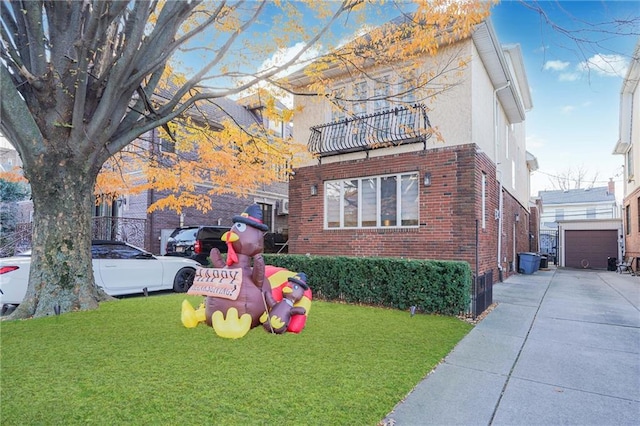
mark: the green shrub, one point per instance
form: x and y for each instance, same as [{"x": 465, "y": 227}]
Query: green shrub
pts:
[{"x": 433, "y": 286}]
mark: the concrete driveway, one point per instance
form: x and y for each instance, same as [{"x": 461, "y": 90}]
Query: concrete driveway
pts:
[{"x": 562, "y": 347}]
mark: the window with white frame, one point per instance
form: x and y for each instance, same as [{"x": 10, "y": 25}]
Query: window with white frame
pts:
[
  {"x": 484, "y": 200},
  {"x": 338, "y": 108},
  {"x": 369, "y": 96},
  {"x": 406, "y": 84},
  {"x": 506, "y": 140},
  {"x": 360, "y": 95},
  {"x": 381, "y": 91},
  {"x": 374, "y": 201}
]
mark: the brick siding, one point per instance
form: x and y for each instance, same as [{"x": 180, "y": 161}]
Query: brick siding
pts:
[{"x": 449, "y": 209}]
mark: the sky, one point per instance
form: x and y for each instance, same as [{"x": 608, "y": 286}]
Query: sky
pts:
[
  {"x": 575, "y": 87},
  {"x": 574, "y": 123}
]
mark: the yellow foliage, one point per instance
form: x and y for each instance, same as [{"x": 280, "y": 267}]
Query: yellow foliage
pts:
[
  {"x": 14, "y": 175},
  {"x": 233, "y": 160},
  {"x": 228, "y": 158}
]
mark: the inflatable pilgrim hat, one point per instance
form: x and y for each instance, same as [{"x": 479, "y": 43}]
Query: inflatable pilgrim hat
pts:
[{"x": 234, "y": 289}]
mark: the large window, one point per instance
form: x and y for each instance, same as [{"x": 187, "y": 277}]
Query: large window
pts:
[{"x": 376, "y": 201}]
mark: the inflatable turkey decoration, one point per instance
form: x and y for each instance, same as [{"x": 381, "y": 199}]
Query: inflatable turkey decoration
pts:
[{"x": 239, "y": 291}]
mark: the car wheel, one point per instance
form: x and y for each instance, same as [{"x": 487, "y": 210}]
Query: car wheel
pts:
[{"x": 183, "y": 280}]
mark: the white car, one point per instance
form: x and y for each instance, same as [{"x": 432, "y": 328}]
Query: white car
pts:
[{"x": 119, "y": 268}]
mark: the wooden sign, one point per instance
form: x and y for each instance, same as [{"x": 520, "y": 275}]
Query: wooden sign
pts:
[{"x": 217, "y": 282}]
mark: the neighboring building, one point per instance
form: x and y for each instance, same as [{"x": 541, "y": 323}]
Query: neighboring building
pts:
[
  {"x": 382, "y": 187},
  {"x": 580, "y": 226},
  {"x": 272, "y": 198},
  {"x": 629, "y": 145},
  {"x": 127, "y": 218},
  {"x": 575, "y": 204},
  {"x": 9, "y": 158}
]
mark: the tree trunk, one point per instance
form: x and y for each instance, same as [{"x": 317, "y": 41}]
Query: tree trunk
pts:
[{"x": 61, "y": 276}]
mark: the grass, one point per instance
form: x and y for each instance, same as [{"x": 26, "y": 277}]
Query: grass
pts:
[{"x": 132, "y": 362}]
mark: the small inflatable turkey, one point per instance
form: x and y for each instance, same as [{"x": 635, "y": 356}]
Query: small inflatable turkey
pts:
[
  {"x": 234, "y": 289},
  {"x": 280, "y": 313}
]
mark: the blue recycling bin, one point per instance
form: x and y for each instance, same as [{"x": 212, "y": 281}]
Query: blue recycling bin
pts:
[{"x": 529, "y": 263}]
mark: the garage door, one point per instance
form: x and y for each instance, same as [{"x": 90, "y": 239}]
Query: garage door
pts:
[{"x": 590, "y": 249}]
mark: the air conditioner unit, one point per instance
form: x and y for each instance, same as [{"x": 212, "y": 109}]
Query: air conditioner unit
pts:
[{"x": 283, "y": 206}]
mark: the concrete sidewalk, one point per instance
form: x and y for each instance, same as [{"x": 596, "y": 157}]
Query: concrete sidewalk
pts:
[{"x": 561, "y": 347}]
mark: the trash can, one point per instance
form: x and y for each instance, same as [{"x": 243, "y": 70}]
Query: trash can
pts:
[
  {"x": 529, "y": 263},
  {"x": 612, "y": 263},
  {"x": 544, "y": 261}
]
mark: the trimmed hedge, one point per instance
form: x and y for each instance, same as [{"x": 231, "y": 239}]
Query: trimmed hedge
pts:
[{"x": 433, "y": 286}]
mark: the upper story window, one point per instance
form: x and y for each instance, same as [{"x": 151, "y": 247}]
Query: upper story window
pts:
[
  {"x": 629, "y": 164},
  {"x": 371, "y": 96},
  {"x": 338, "y": 108},
  {"x": 381, "y": 92},
  {"x": 507, "y": 129},
  {"x": 371, "y": 202},
  {"x": 406, "y": 88},
  {"x": 360, "y": 96}
]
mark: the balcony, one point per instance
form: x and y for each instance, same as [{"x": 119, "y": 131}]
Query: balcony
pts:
[{"x": 401, "y": 125}]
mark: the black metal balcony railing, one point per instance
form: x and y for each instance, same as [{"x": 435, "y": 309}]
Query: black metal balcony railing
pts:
[{"x": 393, "y": 127}]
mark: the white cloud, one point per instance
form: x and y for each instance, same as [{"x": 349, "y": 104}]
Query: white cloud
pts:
[
  {"x": 286, "y": 54},
  {"x": 555, "y": 65},
  {"x": 602, "y": 65},
  {"x": 605, "y": 65},
  {"x": 280, "y": 57},
  {"x": 567, "y": 109},
  {"x": 569, "y": 76}
]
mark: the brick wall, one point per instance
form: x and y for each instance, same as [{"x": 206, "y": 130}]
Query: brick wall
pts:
[{"x": 449, "y": 209}]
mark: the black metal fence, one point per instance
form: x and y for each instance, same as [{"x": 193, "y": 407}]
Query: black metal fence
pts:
[
  {"x": 482, "y": 293},
  {"x": 129, "y": 230},
  {"x": 549, "y": 244}
]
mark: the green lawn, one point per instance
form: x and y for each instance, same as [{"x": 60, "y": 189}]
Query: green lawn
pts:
[{"x": 132, "y": 362}]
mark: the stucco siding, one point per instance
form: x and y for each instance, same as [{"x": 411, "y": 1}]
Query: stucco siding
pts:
[{"x": 482, "y": 108}]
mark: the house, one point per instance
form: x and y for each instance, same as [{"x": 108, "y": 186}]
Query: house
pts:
[
  {"x": 127, "y": 219},
  {"x": 580, "y": 227},
  {"x": 381, "y": 185},
  {"x": 628, "y": 145},
  {"x": 272, "y": 197},
  {"x": 9, "y": 158}
]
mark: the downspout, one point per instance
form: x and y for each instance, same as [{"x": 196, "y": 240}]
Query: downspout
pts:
[{"x": 498, "y": 173}]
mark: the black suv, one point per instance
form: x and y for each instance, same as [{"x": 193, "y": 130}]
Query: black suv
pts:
[{"x": 196, "y": 242}]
